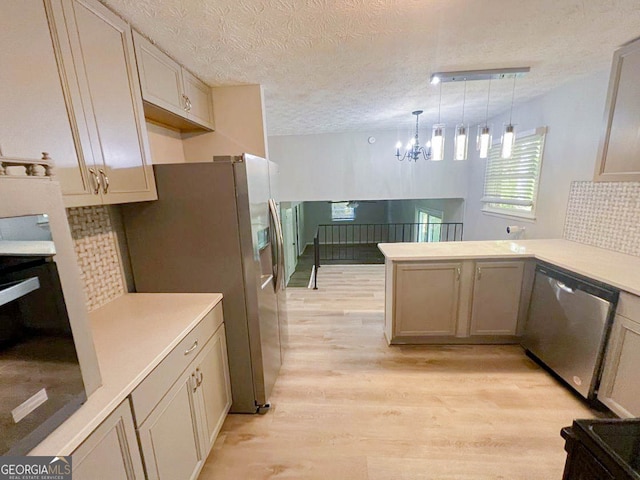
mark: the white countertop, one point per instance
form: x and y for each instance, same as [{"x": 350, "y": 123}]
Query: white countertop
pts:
[
  {"x": 132, "y": 334},
  {"x": 616, "y": 269},
  {"x": 27, "y": 247}
]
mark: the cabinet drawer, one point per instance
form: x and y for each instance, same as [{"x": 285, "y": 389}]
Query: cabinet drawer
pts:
[
  {"x": 629, "y": 306},
  {"x": 147, "y": 395}
]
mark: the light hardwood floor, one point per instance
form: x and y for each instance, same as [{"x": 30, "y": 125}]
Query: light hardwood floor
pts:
[{"x": 347, "y": 406}]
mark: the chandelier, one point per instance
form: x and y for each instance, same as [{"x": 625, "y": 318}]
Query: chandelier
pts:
[
  {"x": 413, "y": 150},
  {"x": 434, "y": 149}
]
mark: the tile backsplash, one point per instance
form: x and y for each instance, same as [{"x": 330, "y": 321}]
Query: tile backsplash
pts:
[
  {"x": 605, "y": 214},
  {"x": 96, "y": 246}
]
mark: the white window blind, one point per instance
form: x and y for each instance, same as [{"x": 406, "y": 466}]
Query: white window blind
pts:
[{"x": 511, "y": 184}]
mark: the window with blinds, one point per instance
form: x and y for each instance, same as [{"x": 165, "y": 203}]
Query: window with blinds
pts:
[{"x": 511, "y": 184}]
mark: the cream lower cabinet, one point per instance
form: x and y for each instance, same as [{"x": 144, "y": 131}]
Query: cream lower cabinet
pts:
[
  {"x": 620, "y": 384},
  {"x": 214, "y": 393},
  {"x": 470, "y": 301},
  {"x": 111, "y": 451},
  {"x": 426, "y": 299},
  {"x": 178, "y": 434},
  {"x": 497, "y": 289},
  {"x": 169, "y": 437},
  {"x": 96, "y": 59}
]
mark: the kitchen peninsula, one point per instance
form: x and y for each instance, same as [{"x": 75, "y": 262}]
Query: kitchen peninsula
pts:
[{"x": 478, "y": 292}]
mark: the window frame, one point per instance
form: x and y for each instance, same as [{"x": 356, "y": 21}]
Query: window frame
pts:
[
  {"x": 343, "y": 219},
  {"x": 430, "y": 213},
  {"x": 491, "y": 209}
]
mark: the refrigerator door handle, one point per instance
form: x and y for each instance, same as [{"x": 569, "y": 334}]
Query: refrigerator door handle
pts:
[{"x": 273, "y": 213}]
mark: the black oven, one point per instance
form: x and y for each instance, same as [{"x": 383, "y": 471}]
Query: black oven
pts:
[{"x": 40, "y": 380}]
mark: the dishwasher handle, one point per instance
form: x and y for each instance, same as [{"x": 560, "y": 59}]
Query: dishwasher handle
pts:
[{"x": 563, "y": 287}]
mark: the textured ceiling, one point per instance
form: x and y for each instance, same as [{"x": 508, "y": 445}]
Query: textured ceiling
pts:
[{"x": 345, "y": 65}]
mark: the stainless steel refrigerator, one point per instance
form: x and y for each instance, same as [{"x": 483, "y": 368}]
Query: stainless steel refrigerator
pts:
[{"x": 216, "y": 228}]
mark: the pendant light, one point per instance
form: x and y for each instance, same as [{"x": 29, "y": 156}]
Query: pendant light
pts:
[
  {"x": 483, "y": 140},
  {"x": 462, "y": 138},
  {"x": 509, "y": 132},
  {"x": 437, "y": 136}
]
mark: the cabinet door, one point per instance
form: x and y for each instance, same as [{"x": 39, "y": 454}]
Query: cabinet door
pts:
[
  {"x": 101, "y": 52},
  {"x": 160, "y": 77},
  {"x": 32, "y": 98},
  {"x": 496, "y": 298},
  {"x": 619, "y": 153},
  {"x": 214, "y": 392},
  {"x": 111, "y": 451},
  {"x": 169, "y": 436},
  {"x": 426, "y": 299},
  {"x": 620, "y": 388},
  {"x": 200, "y": 105}
]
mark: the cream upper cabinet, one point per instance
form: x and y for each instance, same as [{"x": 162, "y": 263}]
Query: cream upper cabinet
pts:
[
  {"x": 496, "y": 297},
  {"x": 620, "y": 384},
  {"x": 98, "y": 70},
  {"x": 426, "y": 299},
  {"x": 111, "y": 451},
  {"x": 171, "y": 94},
  {"x": 198, "y": 97},
  {"x": 36, "y": 118},
  {"x": 619, "y": 153}
]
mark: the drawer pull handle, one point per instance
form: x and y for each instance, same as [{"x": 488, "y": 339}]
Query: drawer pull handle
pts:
[
  {"x": 194, "y": 382},
  {"x": 199, "y": 377},
  {"x": 96, "y": 182},
  {"x": 191, "y": 348}
]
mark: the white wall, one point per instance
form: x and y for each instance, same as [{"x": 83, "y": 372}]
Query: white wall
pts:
[
  {"x": 344, "y": 166},
  {"x": 573, "y": 114}
]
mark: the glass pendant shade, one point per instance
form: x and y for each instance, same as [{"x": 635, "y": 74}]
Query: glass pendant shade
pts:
[
  {"x": 508, "y": 139},
  {"x": 461, "y": 142},
  {"x": 437, "y": 143},
  {"x": 483, "y": 141}
]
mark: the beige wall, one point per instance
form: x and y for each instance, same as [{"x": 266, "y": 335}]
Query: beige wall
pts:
[{"x": 240, "y": 125}]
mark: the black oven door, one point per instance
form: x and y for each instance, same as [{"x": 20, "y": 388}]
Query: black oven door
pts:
[{"x": 40, "y": 379}]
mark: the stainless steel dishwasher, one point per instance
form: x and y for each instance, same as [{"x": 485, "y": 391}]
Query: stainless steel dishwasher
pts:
[{"x": 568, "y": 325}]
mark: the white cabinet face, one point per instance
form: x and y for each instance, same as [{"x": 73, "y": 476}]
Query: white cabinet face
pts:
[
  {"x": 169, "y": 436},
  {"x": 214, "y": 393},
  {"x": 496, "y": 298},
  {"x": 95, "y": 50},
  {"x": 160, "y": 76},
  {"x": 619, "y": 154},
  {"x": 426, "y": 299},
  {"x": 111, "y": 451},
  {"x": 200, "y": 107},
  {"x": 32, "y": 97},
  {"x": 620, "y": 388}
]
